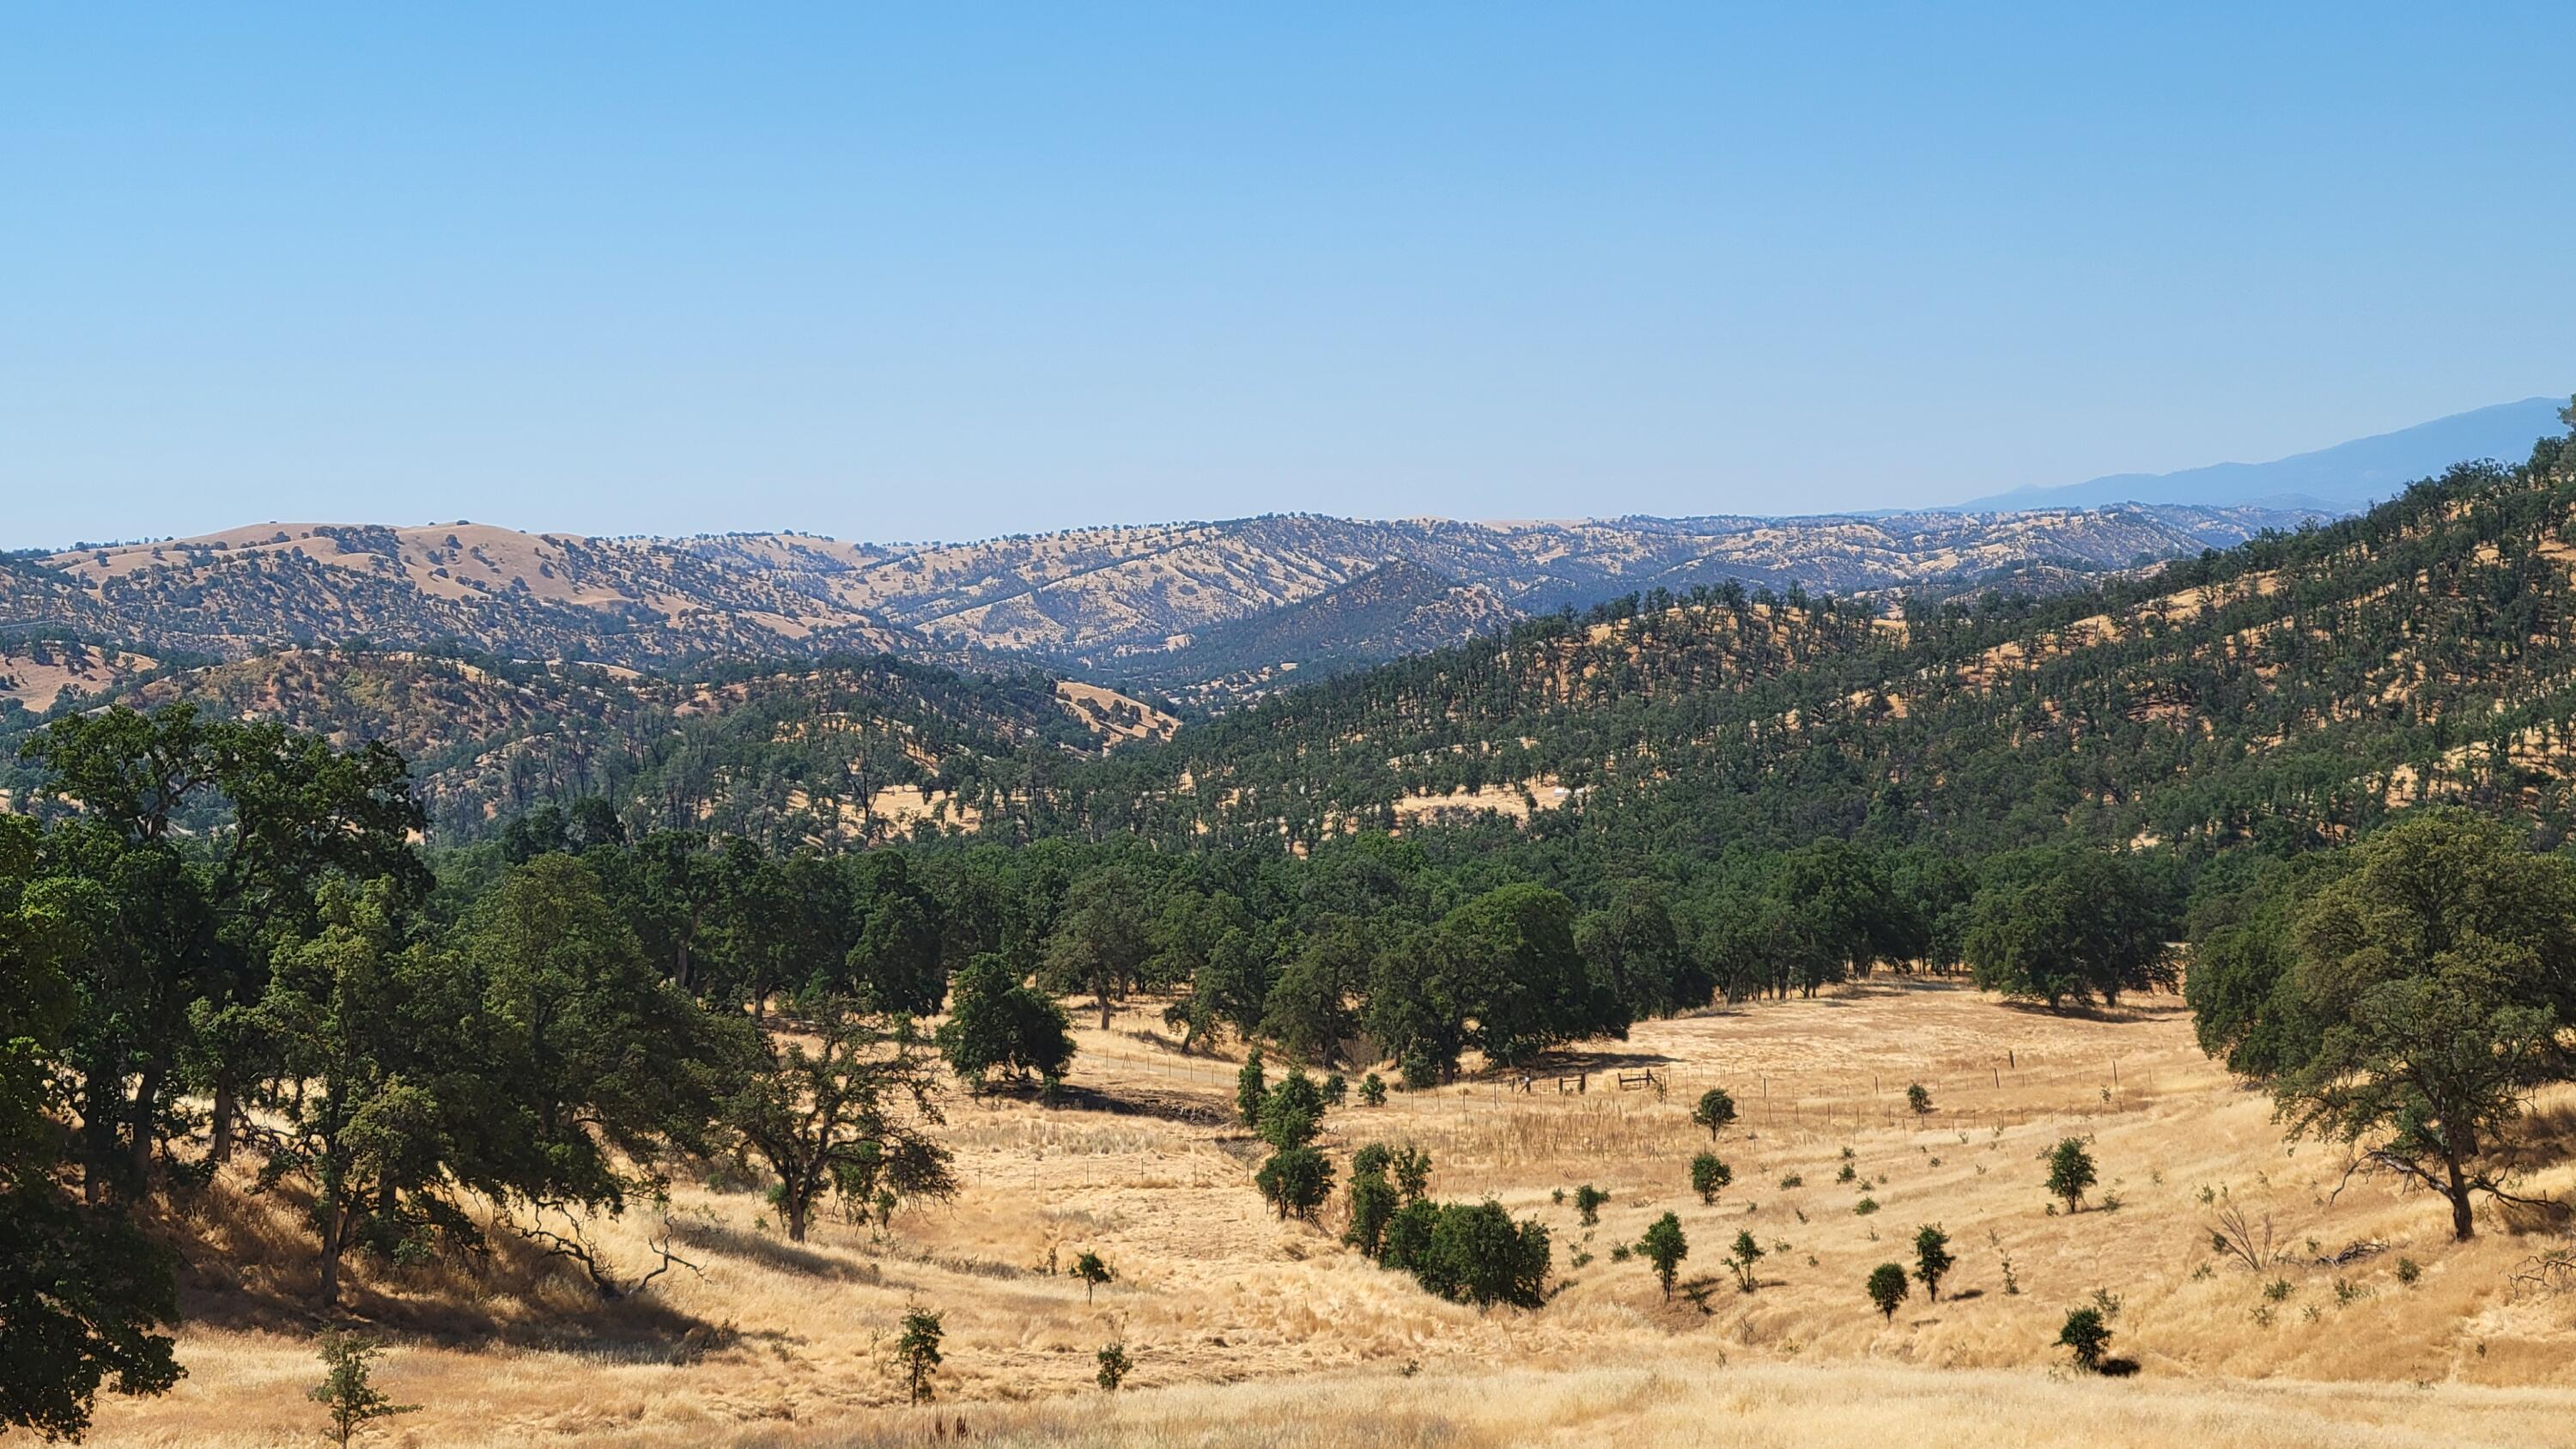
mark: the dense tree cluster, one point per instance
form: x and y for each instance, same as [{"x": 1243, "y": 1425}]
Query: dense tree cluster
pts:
[{"x": 220, "y": 941}]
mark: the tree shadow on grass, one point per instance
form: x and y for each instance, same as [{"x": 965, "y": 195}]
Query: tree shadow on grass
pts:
[
  {"x": 1183, "y": 1107},
  {"x": 1567, "y": 1061},
  {"x": 248, "y": 1264},
  {"x": 765, "y": 1251},
  {"x": 2125, "y": 1014}
]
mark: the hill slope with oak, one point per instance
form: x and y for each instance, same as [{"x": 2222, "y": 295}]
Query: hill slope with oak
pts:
[{"x": 2298, "y": 685}]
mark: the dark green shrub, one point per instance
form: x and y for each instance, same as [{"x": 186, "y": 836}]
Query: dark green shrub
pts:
[
  {"x": 1093, "y": 1272},
  {"x": 1296, "y": 1181},
  {"x": 2070, "y": 1172},
  {"x": 348, "y": 1390},
  {"x": 1886, "y": 1289},
  {"x": 1413, "y": 1173},
  {"x": 1742, "y": 1257},
  {"x": 1932, "y": 1260},
  {"x": 1709, "y": 1177},
  {"x": 2086, "y": 1336},
  {"x": 1373, "y": 1207},
  {"x": 917, "y": 1350},
  {"x": 1664, "y": 1247},
  {"x": 1716, "y": 1110},
  {"x": 1293, "y": 1112},
  {"x": 1251, "y": 1089}
]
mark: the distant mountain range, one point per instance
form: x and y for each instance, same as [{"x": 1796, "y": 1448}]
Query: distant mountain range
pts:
[
  {"x": 2345, "y": 478},
  {"x": 1201, "y": 611},
  {"x": 1203, "y": 614}
]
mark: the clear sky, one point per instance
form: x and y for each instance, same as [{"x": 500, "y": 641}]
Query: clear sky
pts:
[{"x": 951, "y": 270}]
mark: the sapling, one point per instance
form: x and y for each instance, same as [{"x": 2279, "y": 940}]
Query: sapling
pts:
[
  {"x": 1932, "y": 1258},
  {"x": 348, "y": 1387},
  {"x": 1093, "y": 1272},
  {"x": 917, "y": 1350},
  {"x": 1664, "y": 1247}
]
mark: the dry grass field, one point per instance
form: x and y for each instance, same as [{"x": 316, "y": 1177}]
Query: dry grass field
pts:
[{"x": 1243, "y": 1329}]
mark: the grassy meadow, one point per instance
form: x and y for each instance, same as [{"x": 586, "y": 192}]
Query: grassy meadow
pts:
[{"x": 1246, "y": 1329}]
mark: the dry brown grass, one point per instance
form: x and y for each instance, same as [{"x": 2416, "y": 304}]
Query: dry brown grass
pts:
[{"x": 1245, "y": 1330}]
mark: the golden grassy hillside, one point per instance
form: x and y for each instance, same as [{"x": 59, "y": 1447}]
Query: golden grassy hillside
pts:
[{"x": 1243, "y": 1329}]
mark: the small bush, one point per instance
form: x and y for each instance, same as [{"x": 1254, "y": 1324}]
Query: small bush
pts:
[
  {"x": 1742, "y": 1257},
  {"x": 1413, "y": 1173},
  {"x": 2070, "y": 1172},
  {"x": 2408, "y": 1270},
  {"x": 1372, "y": 1090},
  {"x": 1886, "y": 1289},
  {"x": 1709, "y": 1177},
  {"x": 348, "y": 1390},
  {"x": 2085, "y": 1335},
  {"x": 1715, "y": 1111},
  {"x": 1251, "y": 1089},
  {"x": 1296, "y": 1181},
  {"x": 1588, "y": 1202},
  {"x": 1865, "y": 1207},
  {"x": 1663, "y": 1247},
  {"x": 1932, "y": 1260},
  {"x": 917, "y": 1350},
  {"x": 1113, "y": 1367},
  {"x": 1093, "y": 1272},
  {"x": 1471, "y": 1254},
  {"x": 1293, "y": 1113},
  {"x": 1789, "y": 1180},
  {"x": 1373, "y": 1205}
]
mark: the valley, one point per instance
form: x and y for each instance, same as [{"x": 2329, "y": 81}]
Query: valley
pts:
[{"x": 1227, "y": 1312}]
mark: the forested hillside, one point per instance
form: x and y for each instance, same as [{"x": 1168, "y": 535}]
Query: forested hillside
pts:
[
  {"x": 2292, "y": 689},
  {"x": 838, "y": 752}
]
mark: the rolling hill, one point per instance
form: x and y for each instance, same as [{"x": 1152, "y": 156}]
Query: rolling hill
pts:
[
  {"x": 2294, "y": 689},
  {"x": 838, "y": 752},
  {"x": 1180, "y": 607}
]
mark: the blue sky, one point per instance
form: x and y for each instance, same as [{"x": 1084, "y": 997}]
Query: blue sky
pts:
[{"x": 895, "y": 272}]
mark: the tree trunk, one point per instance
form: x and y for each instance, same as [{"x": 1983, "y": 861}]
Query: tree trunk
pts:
[
  {"x": 147, "y": 1098},
  {"x": 2463, "y": 1227},
  {"x": 332, "y": 1218},
  {"x": 219, "y": 1148}
]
